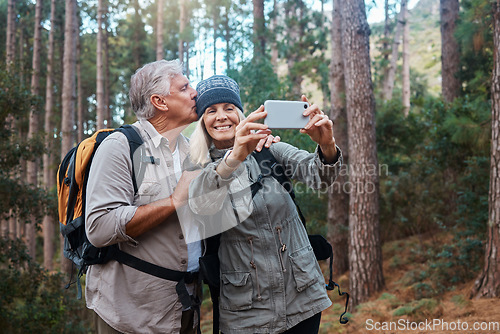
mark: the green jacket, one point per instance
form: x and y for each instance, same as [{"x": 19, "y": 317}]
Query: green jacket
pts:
[{"x": 270, "y": 279}]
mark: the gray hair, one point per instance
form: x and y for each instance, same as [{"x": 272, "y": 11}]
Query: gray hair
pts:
[{"x": 152, "y": 78}]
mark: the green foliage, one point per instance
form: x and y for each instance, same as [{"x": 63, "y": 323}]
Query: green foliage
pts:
[
  {"x": 16, "y": 197},
  {"x": 258, "y": 82},
  {"x": 33, "y": 301},
  {"x": 431, "y": 156},
  {"x": 419, "y": 309},
  {"x": 474, "y": 35}
]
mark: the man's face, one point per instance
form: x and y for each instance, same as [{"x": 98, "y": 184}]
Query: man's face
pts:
[{"x": 181, "y": 101}]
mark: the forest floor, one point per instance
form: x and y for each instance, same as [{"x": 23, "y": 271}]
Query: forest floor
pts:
[{"x": 399, "y": 307}]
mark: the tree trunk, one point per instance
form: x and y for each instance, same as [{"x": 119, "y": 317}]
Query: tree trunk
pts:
[
  {"x": 68, "y": 93},
  {"x": 338, "y": 200},
  {"x": 214, "y": 18},
  {"x": 365, "y": 253},
  {"x": 391, "y": 73},
  {"x": 227, "y": 37},
  {"x": 259, "y": 29},
  {"x": 182, "y": 26},
  {"x": 450, "y": 52},
  {"x": 10, "y": 46},
  {"x": 274, "y": 46},
  {"x": 136, "y": 48},
  {"x": 187, "y": 59},
  {"x": 488, "y": 282},
  {"x": 32, "y": 165},
  {"x": 101, "y": 111},
  {"x": 48, "y": 173},
  {"x": 406, "y": 61},
  {"x": 159, "y": 31},
  {"x": 107, "y": 106},
  {"x": 79, "y": 94}
]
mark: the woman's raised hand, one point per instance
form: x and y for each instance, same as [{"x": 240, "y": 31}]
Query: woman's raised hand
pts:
[
  {"x": 320, "y": 129},
  {"x": 246, "y": 139}
]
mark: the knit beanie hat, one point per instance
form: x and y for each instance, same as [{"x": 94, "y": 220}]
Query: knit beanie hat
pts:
[{"x": 217, "y": 89}]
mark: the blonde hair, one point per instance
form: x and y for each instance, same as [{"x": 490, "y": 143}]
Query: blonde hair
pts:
[{"x": 200, "y": 141}]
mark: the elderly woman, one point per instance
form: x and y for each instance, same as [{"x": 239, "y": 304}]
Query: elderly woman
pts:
[{"x": 270, "y": 279}]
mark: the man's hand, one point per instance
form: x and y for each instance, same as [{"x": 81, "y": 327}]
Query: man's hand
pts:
[{"x": 267, "y": 142}]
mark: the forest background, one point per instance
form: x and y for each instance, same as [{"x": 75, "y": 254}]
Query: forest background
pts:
[{"x": 414, "y": 217}]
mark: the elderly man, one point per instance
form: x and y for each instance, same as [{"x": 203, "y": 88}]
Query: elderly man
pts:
[{"x": 145, "y": 224}]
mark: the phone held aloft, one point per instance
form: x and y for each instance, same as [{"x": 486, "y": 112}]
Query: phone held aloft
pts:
[{"x": 285, "y": 114}]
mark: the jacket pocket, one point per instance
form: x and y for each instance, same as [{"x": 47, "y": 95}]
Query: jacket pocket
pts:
[
  {"x": 236, "y": 291},
  {"x": 304, "y": 268}
]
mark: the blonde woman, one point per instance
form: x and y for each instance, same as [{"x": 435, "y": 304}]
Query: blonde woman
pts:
[{"x": 270, "y": 281}]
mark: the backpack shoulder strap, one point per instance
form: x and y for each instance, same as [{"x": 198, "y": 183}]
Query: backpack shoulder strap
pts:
[{"x": 135, "y": 141}]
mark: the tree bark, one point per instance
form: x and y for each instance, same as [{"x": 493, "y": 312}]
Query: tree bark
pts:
[
  {"x": 450, "y": 52},
  {"x": 107, "y": 106},
  {"x": 274, "y": 46},
  {"x": 227, "y": 37},
  {"x": 338, "y": 199},
  {"x": 49, "y": 179},
  {"x": 365, "y": 253},
  {"x": 79, "y": 94},
  {"x": 159, "y": 30},
  {"x": 488, "y": 282},
  {"x": 136, "y": 48},
  {"x": 406, "y": 61},
  {"x": 32, "y": 165},
  {"x": 68, "y": 94},
  {"x": 10, "y": 46},
  {"x": 391, "y": 73},
  {"x": 182, "y": 27},
  {"x": 259, "y": 29},
  {"x": 101, "y": 111},
  {"x": 215, "y": 23}
]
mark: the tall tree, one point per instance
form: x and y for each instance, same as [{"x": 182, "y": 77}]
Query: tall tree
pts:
[
  {"x": 48, "y": 173},
  {"x": 101, "y": 109},
  {"x": 388, "y": 86},
  {"x": 32, "y": 165},
  {"x": 406, "y": 60},
  {"x": 80, "y": 119},
  {"x": 8, "y": 227},
  {"x": 365, "y": 254},
  {"x": 11, "y": 33},
  {"x": 160, "y": 54},
  {"x": 488, "y": 282},
  {"x": 450, "y": 52},
  {"x": 338, "y": 201},
  {"x": 182, "y": 27},
  {"x": 138, "y": 29},
  {"x": 259, "y": 29},
  {"x": 107, "y": 84},
  {"x": 274, "y": 45},
  {"x": 68, "y": 92}
]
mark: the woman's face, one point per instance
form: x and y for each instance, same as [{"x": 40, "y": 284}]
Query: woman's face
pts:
[{"x": 221, "y": 120}]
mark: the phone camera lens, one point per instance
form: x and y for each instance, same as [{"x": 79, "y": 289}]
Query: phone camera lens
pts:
[{"x": 305, "y": 106}]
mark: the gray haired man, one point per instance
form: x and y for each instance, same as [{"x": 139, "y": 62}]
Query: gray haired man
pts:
[{"x": 144, "y": 224}]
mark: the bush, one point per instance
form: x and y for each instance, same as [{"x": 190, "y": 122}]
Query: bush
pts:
[{"x": 34, "y": 301}]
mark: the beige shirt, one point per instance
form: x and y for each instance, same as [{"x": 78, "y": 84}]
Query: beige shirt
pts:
[{"x": 127, "y": 299}]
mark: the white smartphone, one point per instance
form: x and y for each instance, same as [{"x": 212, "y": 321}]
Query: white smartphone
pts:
[{"x": 285, "y": 114}]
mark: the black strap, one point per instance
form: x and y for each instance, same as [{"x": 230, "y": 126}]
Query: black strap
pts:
[
  {"x": 135, "y": 141},
  {"x": 150, "y": 268}
]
